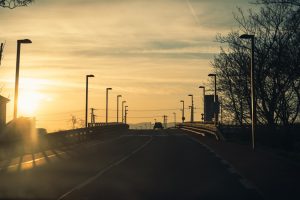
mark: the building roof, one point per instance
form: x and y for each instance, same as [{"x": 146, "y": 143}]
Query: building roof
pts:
[{"x": 4, "y": 99}]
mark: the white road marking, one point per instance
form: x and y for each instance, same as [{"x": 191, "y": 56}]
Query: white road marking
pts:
[
  {"x": 232, "y": 170},
  {"x": 225, "y": 162},
  {"x": 247, "y": 184},
  {"x": 193, "y": 131},
  {"x": 101, "y": 172}
]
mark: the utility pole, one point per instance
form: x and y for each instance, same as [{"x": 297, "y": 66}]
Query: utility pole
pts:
[
  {"x": 123, "y": 102},
  {"x": 174, "y": 113},
  {"x": 92, "y": 115},
  {"x": 165, "y": 117},
  {"x": 190, "y": 107},
  {"x": 126, "y": 110}
]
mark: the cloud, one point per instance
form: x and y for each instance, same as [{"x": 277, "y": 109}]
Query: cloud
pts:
[{"x": 138, "y": 47}]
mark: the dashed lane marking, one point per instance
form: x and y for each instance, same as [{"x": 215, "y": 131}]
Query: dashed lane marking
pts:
[
  {"x": 232, "y": 170},
  {"x": 247, "y": 184},
  {"x": 101, "y": 172},
  {"x": 225, "y": 162}
]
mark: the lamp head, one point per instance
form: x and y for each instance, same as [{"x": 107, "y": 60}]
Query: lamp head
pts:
[
  {"x": 119, "y": 96},
  {"x": 211, "y": 74},
  {"x": 182, "y": 101},
  {"x": 108, "y": 88},
  {"x": 201, "y": 87},
  {"x": 25, "y": 41},
  {"x": 190, "y": 95}
]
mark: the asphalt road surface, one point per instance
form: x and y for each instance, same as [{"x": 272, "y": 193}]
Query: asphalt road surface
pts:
[{"x": 132, "y": 165}]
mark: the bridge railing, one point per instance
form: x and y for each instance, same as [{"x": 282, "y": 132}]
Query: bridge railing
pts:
[
  {"x": 205, "y": 128},
  {"x": 38, "y": 142},
  {"x": 93, "y": 130}
]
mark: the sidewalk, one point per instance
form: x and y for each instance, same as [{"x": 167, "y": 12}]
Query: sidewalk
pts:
[{"x": 274, "y": 176}]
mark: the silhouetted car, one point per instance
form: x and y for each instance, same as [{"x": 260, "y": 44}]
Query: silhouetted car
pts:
[
  {"x": 158, "y": 125},
  {"x": 41, "y": 132}
]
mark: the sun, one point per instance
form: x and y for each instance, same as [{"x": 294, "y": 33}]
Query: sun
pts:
[
  {"x": 28, "y": 103},
  {"x": 31, "y": 96}
]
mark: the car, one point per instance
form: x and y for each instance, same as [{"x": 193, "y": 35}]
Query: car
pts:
[
  {"x": 41, "y": 132},
  {"x": 158, "y": 125}
]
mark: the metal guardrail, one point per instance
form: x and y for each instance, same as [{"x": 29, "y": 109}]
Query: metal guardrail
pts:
[{"x": 203, "y": 128}]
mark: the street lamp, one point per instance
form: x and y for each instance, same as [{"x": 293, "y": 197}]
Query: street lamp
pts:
[
  {"x": 86, "y": 97},
  {"x": 183, "y": 118},
  {"x": 215, "y": 98},
  {"x": 192, "y": 108},
  {"x": 118, "y": 107},
  {"x": 123, "y": 102},
  {"x": 203, "y": 102},
  {"x": 107, "y": 104},
  {"x": 253, "y": 105},
  {"x": 19, "y": 42}
]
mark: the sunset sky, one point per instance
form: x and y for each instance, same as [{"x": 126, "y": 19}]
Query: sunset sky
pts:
[{"x": 154, "y": 53}]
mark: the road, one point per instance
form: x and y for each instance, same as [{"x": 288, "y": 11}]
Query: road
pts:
[{"x": 142, "y": 164}]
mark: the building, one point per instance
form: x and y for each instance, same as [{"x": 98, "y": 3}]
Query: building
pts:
[
  {"x": 210, "y": 108},
  {"x": 3, "y": 102}
]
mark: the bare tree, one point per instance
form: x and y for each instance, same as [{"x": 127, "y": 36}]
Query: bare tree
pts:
[
  {"x": 73, "y": 121},
  {"x": 11, "y": 4},
  {"x": 276, "y": 27},
  {"x": 291, "y": 2}
]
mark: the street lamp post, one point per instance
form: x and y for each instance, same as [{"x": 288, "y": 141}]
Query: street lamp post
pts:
[
  {"x": 215, "y": 98},
  {"x": 19, "y": 42},
  {"x": 203, "y": 102},
  {"x": 183, "y": 118},
  {"x": 86, "y": 97},
  {"x": 253, "y": 105},
  {"x": 118, "y": 107},
  {"x": 107, "y": 89},
  {"x": 192, "y": 108},
  {"x": 123, "y": 102}
]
